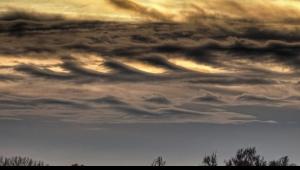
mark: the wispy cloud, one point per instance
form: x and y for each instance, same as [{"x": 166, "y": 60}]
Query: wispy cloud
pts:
[{"x": 140, "y": 9}]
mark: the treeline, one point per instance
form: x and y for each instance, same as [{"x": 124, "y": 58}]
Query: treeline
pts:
[
  {"x": 243, "y": 157},
  {"x": 20, "y": 161}
]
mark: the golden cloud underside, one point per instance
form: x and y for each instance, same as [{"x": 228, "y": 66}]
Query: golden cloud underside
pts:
[{"x": 165, "y": 10}]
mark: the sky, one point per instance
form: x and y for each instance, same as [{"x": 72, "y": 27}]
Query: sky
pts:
[{"x": 120, "y": 82}]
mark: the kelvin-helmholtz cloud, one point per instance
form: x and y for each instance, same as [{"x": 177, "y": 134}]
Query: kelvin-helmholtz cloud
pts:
[{"x": 201, "y": 61}]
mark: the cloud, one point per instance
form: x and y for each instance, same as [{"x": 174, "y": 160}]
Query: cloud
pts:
[
  {"x": 59, "y": 102},
  {"x": 76, "y": 68},
  {"x": 234, "y": 81},
  {"x": 139, "y": 9},
  {"x": 179, "y": 115},
  {"x": 16, "y": 14},
  {"x": 108, "y": 100},
  {"x": 203, "y": 50},
  {"x": 284, "y": 115},
  {"x": 209, "y": 98},
  {"x": 9, "y": 78},
  {"x": 9, "y": 102},
  {"x": 110, "y": 109},
  {"x": 159, "y": 61},
  {"x": 257, "y": 99},
  {"x": 121, "y": 68},
  {"x": 43, "y": 73},
  {"x": 224, "y": 13},
  {"x": 295, "y": 98},
  {"x": 157, "y": 99},
  {"x": 127, "y": 72}
]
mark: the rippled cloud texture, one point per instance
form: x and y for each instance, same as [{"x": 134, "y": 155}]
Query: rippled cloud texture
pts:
[{"x": 130, "y": 61}]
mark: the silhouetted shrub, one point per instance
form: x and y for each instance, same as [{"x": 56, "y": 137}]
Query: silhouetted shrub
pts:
[
  {"x": 246, "y": 157},
  {"x": 77, "y": 164},
  {"x": 210, "y": 160},
  {"x": 159, "y": 162},
  {"x": 20, "y": 161},
  {"x": 284, "y": 161}
]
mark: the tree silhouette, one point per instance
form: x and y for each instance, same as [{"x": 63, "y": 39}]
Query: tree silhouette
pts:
[
  {"x": 159, "y": 162},
  {"x": 246, "y": 157},
  {"x": 243, "y": 157},
  {"x": 284, "y": 161},
  {"x": 210, "y": 160},
  {"x": 20, "y": 161},
  {"x": 77, "y": 164}
]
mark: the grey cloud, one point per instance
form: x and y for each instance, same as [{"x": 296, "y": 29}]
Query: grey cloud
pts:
[
  {"x": 44, "y": 73},
  {"x": 157, "y": 99},
  {"x": 181, "y": 112},
  {"x": 134, "y": 111},
  {"x": 235, "y": 81},
  {"x": 159, "y": 61},
  {"x": 121, "y": 68},
  {"x": 179, "y": 115},
  {"x": 261, "y": 33},
  {"x": 31, "y": 103},
  {"x": 209, "y": 98},
  {"x": 202, "y": 50},
  {"x": 257, "y": 99},
  {"x": 281, "y": 114},
  {"x": 76, "y": 68},
  {"x": 58, "y": 102},
  {"x": 109, "y": 100},
  {"x": 10, "y": 78},
  {"x": 293, "y": 98}
]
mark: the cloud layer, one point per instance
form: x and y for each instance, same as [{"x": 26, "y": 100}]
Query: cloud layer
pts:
[{"x": 90, "y": 71}]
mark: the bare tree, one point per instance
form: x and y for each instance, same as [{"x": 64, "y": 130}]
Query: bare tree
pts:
[
  {"x": 246, "y": 157},
  {"x": 284, "y": 161},
  {"x": 20, "y": 161},
  {"x": 159, "y": 162},
  {"x": 210, "y": 160}
]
